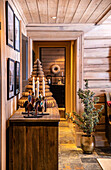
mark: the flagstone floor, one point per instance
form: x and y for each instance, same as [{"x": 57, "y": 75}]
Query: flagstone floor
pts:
[{"x": 71, "y": 157}]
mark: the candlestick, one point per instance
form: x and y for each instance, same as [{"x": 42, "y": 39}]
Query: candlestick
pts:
[
  {"x": 37, "y": 87},
  {"x": 34, "y": 85},
  {"x": 43, "y": 87}
]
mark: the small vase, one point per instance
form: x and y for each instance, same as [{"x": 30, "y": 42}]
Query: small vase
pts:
[{"x": 88, "y": 143}]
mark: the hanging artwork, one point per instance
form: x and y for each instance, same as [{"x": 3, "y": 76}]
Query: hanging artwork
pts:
[
  {"x": 9, "y": 25},
  {"x": 17, "y": 77},
  {"x": 10, "y": 78},
  {"x": 16, "y": 34}
]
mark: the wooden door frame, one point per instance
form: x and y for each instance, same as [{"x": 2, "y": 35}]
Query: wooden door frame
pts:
[
  {"x": 74, "y": 69},
  {"x": 0, "y": 98}
]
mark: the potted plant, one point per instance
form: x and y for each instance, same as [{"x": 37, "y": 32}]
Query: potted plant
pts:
[{"x": 88, "y": 119}]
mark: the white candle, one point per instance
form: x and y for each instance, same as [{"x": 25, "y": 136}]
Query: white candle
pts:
[
  {"x": 37, "y": 87},
  {"x": 43, "y": 84},
  {"x": 34, "y": 85},
  {"x": 62, "y": 74}
]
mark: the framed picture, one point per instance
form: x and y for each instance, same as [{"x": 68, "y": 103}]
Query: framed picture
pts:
[
  {"x": 17, "y": 77},
  {"x": 9, "y": 25},
  {"x": 10, "y": 78},
  {"x": 16, "y": 34}
]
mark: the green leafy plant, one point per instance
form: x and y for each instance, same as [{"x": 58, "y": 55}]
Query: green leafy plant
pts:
[{"x": 91, "y": 116}]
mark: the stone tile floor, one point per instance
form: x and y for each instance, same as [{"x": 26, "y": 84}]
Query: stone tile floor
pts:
[{"x": 71, "y": 157}]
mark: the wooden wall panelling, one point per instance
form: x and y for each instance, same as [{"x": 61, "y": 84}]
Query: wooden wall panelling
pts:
[
  {"x": 60, "y": 27},
  {"x": 43, "y": 12},
  {"x": 61, "y": 11},
  {"x": 66, "y": 11},
  {"x": 52, "y": 10},
  {"x": 72, "y": 65},
  {"x": 79, "y": 80},
  {"x": 72, "y": 6},
  {"x": 89, "y": 11},
  {"x": 97, "y": 61},
  {"x": 33, "y": 7},
  {"x": 25, "y": 9},
  {"x": 53, "y": 35},
  {"x": 3, "y": 85},
  {"x": 77, "y": 74},
  {"x": 97, "y": 65},
  {"x": 20, "y": 59},
  {"x": 68, "y": 80},
  {"x": 80, "y": 10},
  {"x": 97, "y": 52},
  {"x": 102, "y": 6},
  {"x": 104, "y": 16},
  {"x": 75, "y": 99},
  {"x": 20, "y": 11},
  {"x": 99, "y": 84},
  {"x": 51, "y": 56},
  {"x": 97, "y": 68},
  {"x": 33, "y": 147},
  {"x": 29, "y": 56},
  {"x": 8, "y": 107},
  {"x": 97, "y": 43},
  {"x": 0, "y": 92},
  {"x": 99, "y": 32},
  {"x": 97, "y": 76}
]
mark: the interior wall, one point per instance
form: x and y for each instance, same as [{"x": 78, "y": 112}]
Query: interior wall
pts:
[
  {"x": 67, "y": 45},
  {"x": 51, "y": 56},
  {"x": 8, "y": 106},
  {"x": 0, "y": 93},
  {"x": 74, "y": 69},
  {"x": 97, "y": 62}
]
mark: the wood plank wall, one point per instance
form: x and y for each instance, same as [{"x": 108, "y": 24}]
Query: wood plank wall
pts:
[
  {"x": 0, "y": 93},
  {"x": 51, "y": 56},
  {"x": 97, "y": 63},
  {"x": 8, "y": 106}
]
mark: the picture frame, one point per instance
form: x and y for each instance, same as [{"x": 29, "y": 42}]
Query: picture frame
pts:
[
  {"x": 17, "y": 77},
  {"x": 9, "y": 25},
  {"x": 16, "y": 33},
  {"x": 10, "y": 78}
]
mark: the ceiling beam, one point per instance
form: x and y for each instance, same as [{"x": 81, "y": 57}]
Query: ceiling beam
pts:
[
  {"x": 53, "y": 35},
  {"x": 104, "y": 16},
  {"x": 60, "y": 27}
]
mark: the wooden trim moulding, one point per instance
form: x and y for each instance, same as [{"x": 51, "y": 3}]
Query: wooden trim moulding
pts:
[
  {"x": 104, "y": 17},
  {"x": 74, "y": 68}
]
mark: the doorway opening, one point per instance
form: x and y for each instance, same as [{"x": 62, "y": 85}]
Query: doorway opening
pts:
[
  {"x": 53, "y": 62},
  {"x": 69, "y": 72}
]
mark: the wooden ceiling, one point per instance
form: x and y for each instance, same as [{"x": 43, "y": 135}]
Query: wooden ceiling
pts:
[{"x": 65, "y": 11}]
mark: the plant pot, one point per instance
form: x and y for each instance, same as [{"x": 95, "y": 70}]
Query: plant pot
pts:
[{"x": 88, "y": 143}]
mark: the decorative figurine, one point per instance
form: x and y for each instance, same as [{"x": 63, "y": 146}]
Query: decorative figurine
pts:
[
  {"x": 25, "y": 105},
  {"x": 59, "y": 82},
  {"x": 36, "y": 106},
  {"x": 32, "y": 99},
  {"x": 29, "y": 107},
  {"x": 29, "y": 97},
  {"x": 45, "y": 104}
]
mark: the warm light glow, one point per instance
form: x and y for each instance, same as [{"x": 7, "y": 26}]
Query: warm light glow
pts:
[{"x": 54, "y": 17}]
